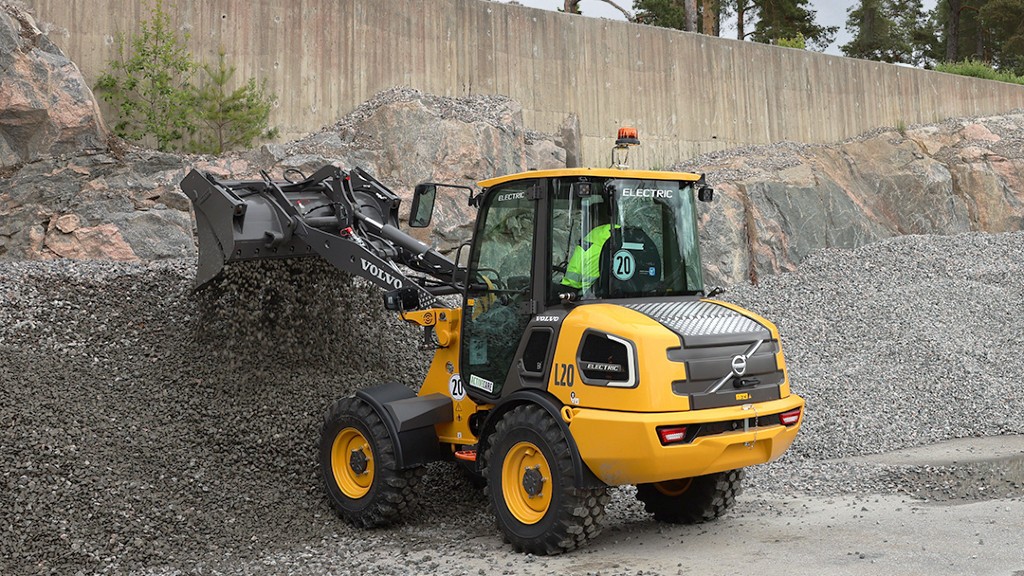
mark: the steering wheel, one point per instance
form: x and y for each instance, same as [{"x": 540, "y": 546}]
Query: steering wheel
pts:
[{"x": 492, "y": 277}]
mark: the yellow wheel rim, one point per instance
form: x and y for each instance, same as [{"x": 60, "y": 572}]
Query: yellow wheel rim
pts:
[
  {"x": 526, "y": 483},
  {"x": 352, "y": 463},
  {"x": 674, "y": 487}
]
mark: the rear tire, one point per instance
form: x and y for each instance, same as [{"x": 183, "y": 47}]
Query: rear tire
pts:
[
  {"x": 692, "y": 500},
  {"x": 531, "y": 485},
  {"x": 359, "y": 468}
]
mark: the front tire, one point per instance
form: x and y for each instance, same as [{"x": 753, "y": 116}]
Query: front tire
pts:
[
  {"x": 532, "y": 485},
  {"x": 359, "y": 468},
  {"x": 692, "y": 500}
]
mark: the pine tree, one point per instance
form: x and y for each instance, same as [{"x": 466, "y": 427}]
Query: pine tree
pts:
[
  {"x": 664, "y": 13},
  {"x": 702, "y": 16},
  {"x": 746, "y": 13},
  {"x": 1004, "y": 20},
  {"x": 149, "y": 83},
  {"x": 150, "y": 87},
  {"x": 233, "y": 119},
  {"x": 788, "y": 19},
  {"x": 889, "y": 31}
]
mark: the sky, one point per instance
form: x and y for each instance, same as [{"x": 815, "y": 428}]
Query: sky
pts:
[{"x": 830, "y": 13}]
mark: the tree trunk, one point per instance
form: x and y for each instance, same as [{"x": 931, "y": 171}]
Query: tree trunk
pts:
[
  {"x": 710, "y": 18},
  {"x": 691, "y": 15},
  {"x": 953, "y": 31},
  {"x": 741, "y": 14},
  {"x": 980, "y": 50}
]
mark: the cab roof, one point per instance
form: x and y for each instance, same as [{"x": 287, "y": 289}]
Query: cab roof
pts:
[{"x": 592, "y": 172}]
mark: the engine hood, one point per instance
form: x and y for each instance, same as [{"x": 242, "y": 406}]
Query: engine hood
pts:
[{"x": 701, "y": 323}]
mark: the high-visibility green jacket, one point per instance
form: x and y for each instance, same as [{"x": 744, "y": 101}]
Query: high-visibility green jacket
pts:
[{"x": 585, "y": 263}]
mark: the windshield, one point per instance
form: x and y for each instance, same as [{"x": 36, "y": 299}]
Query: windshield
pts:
[{"x": 624, "y": 238}]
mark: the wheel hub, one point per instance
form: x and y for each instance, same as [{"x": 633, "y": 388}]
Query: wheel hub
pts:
[
  {"x": 524, "y": 472},
  {"x": 352, "y": 463},
  {"x": 533, "y": 481},
  {"x": 358, "y": 462}
]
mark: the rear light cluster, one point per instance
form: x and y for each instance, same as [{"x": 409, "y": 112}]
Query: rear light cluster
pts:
[
  {"x": 790, "y": 418},
  {"x": 671, "y": 434},
  {"x": 678, "y": 434}
]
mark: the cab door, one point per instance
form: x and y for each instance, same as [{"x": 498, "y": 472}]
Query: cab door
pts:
[{"x": 497, "y": 307}]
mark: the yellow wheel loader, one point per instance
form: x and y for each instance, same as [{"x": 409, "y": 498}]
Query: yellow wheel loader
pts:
[{"x": 584, "y": 352}]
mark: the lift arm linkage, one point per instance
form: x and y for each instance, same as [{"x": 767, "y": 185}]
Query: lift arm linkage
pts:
[{"x": 347, "y": 217}]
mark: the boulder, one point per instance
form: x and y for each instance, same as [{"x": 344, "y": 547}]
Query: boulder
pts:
[
  {"x": 103, "y": 242},
  {"x": 46, "y": 107}
]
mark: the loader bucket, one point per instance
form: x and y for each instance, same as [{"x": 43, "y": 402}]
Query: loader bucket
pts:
[
  {"x": 346, "y": 217},
  {"x": 235, "y": 222}
]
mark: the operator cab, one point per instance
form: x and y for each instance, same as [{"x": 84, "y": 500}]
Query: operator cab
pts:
[{"x": 548, "y": 241}]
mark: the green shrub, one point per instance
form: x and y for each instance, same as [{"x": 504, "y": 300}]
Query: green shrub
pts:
[
  {"x": 231, "y": 119},
  {"x": 797, "y": 41},
  {"x": 978, "y": 69},
  {"x": 150, "y": 84},
  {"x": 151, "y": 87}
]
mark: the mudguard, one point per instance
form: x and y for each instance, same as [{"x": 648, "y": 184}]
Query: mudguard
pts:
[
  {"x": 410, "y": 420},
  {"x": 584, "y": 477}
]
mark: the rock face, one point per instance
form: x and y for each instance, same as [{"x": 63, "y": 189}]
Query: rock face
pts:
[
  {"x": 46, "y": 107},
  {"x": 96, "y": 206},
  {"x": 778, "y": 204}
]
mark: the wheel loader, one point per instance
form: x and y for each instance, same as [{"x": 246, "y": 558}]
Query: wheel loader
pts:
[{"x": 576, "y": 349}]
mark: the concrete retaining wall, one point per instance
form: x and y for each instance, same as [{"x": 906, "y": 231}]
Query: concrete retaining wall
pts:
[{"x": 686, "y": 93}]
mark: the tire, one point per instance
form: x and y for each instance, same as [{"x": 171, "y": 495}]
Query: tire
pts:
[
  {"x": 359, "y": 468},
  {"x": 692, "y": 500},
  {"x": 531, "y": 485}
]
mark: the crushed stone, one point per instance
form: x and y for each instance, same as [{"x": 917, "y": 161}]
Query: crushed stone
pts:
[{"x": 148, "y": 429}]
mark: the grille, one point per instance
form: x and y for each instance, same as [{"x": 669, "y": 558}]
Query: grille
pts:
[{"x": 698, "y": 322}]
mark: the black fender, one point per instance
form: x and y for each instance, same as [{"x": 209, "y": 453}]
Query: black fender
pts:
[
  {"x": 585, "y": 478},
  {"x": 409, "y": 420}
]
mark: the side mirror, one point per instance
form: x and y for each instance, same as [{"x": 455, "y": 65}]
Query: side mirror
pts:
[
  {"x": 422, "y": 205},
  {"x": 705, "y": 194}
]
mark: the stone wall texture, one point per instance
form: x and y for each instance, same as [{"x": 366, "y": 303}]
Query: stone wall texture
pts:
[{"x": 687, "y": 93}]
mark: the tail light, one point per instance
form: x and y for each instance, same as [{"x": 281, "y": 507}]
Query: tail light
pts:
[
  {"x": 672, "y": 434},
  {"x": 790, "y": 418}
]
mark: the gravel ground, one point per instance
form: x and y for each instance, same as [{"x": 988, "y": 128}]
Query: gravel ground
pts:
[{"x": 146, "y": 429}]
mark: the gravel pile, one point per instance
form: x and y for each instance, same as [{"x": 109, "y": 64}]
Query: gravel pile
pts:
[
  {"x": 147, "y": 429},
  {"x": 488, "y": 108},
  {"x": 904, "y": 342}
]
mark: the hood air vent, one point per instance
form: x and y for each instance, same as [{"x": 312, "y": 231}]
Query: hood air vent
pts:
[{"x": 703, "y": 323}]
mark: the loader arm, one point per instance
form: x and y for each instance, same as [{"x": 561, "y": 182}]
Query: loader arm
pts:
[{"x": 346, "y": 217}]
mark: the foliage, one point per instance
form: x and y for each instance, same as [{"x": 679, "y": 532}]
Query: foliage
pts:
[
  {"x": 233, "y": 119},
  {"x": 705, "y": 18},
  {"x": 977, "y": 69},
  {"x": 796, "y": 42},
  {"x": 1004, "y": 21},
  {"x": 890, "y": 31},
  {"x": 773, "y": 20},
  {"x": 788, "y": 19},
  {"x": 990, "y": 31},
  {"x": 664, "y": 13},
  {"x": 150, "y": 86}
]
